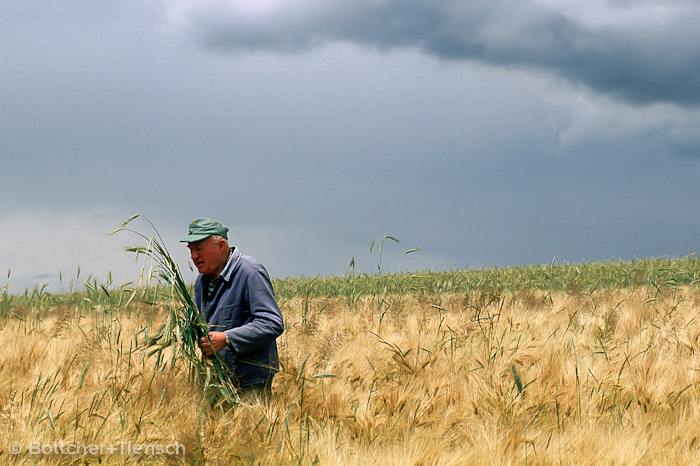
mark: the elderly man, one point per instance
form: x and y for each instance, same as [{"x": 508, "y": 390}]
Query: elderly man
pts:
[{"x": 234, "y": 294}]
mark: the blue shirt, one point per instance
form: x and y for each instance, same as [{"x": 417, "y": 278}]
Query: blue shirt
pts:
[{"x": 243, "y": 305}]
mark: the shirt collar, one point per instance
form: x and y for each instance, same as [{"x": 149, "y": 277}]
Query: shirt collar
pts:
[{"x": 233, "y": 258}]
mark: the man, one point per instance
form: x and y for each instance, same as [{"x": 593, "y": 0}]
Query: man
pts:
[{"x": 234, "y": 294}]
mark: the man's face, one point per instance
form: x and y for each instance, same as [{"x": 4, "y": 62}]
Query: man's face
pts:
[{"x": 208, "y": 255}]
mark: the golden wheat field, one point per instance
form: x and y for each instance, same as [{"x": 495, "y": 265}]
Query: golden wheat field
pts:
[{"x": 522, "y": 376}]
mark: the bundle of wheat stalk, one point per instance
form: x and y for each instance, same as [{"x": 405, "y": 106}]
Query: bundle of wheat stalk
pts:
[{"x": 184, "y": 325}]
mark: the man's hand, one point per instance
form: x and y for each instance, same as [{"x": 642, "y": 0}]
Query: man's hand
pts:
[{"x": 218, "y": 342}]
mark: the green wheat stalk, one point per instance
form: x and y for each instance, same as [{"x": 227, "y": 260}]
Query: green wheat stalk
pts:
[{"x": 184, "y": 325}]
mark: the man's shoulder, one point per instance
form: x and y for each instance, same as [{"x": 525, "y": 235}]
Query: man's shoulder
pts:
[{"x": 250, "y": 264}]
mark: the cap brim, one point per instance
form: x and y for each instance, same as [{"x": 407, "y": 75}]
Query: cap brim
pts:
[{"x": 194, "y": 238}]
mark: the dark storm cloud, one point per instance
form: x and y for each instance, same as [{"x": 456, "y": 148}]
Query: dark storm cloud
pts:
[
  {"x": 309, "y": 156},
  {"x": 641, "y": 62}
]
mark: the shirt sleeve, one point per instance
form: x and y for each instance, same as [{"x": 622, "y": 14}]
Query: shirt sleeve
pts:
[{"x": 265, "y": 322}]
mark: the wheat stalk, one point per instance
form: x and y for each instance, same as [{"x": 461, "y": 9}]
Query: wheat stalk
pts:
[{"x": 184, "y": 325}]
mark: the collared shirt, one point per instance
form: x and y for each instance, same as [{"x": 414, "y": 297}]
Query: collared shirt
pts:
[
  {"x": 213, "y": 282},
  {"x": 242, "y": 304}
]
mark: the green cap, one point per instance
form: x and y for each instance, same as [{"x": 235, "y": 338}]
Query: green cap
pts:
[{"x": 203, "y": 228}]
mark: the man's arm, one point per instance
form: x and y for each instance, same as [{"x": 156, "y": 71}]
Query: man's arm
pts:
[{"x": 265, "y": 322}]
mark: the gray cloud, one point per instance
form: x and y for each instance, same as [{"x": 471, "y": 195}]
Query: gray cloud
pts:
[
  {"x": 308, "y": 156},
  {"x": 641, "y": 52}
]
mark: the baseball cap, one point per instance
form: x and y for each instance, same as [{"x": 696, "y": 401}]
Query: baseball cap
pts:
[{"x": 203, "y": 228}]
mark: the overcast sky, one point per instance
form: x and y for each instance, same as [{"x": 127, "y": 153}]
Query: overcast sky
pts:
[{"x": 485, "y": 133}]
